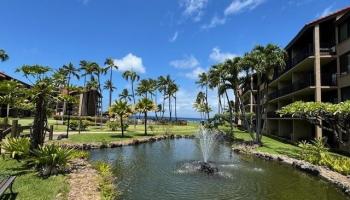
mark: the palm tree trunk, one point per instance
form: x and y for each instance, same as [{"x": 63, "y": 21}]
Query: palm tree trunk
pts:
[
  {"x": 258, "y": 112},
  {"x": 206, "y": 99},
  {"x": 169, "y": 101},
  {"x": 230, "y": 111},
  {"x": 175, "y": 108},
  {"x": 110, "y": 89},
  {"x": 122, "y": 125},
  {"x": 133, "y": 97},
  {"x": 145, "y": 123}
]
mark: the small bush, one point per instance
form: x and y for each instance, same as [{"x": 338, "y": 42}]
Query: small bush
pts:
[
  {"x": 80, "y": 154},
  {"x": 74, "y": 125},
  {"x": 51, "y": 159},
  {"x": 109, "y": 190},
  {"x": 16, "y": 148},
  {"x": 316, "y": 153},
  {"x": 113, "y": 125}
]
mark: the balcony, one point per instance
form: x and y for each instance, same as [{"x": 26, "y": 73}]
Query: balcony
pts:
[
  {"x": 298, "y": 56},
  {"x": 307, "y": 81}
]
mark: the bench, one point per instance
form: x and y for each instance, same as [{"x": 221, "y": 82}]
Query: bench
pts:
[{"x": 6, "y": 183}]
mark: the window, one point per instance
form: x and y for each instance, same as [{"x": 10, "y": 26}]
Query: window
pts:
[
  {"x": 345, "y": 63},
  {"x": 345, "y": 93},
  {"x": 344, "y": 30}
]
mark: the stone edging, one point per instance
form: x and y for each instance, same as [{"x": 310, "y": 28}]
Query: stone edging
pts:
[
  {"x": 90, "y": 146},
  {"x": 339, "y": 180}
]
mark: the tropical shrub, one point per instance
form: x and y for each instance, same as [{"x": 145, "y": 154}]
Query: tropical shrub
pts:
[
  {"x": 80, "y": 154},
  {"x": 108, "y": 189},
  {"x": 16, "y": 148},
  {"x": 317, "y": 153},
  {"x": 113, "y": 125},
  {"x": 74, "y": 125},
  {"x": 51, "y": 159}
]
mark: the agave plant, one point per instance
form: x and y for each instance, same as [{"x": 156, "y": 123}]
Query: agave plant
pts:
[
  {"x": 16, "y": 148},
  {"x": 51, "y": 159}
]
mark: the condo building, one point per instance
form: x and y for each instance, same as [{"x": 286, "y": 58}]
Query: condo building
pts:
[{"x": 317, "y": 69}]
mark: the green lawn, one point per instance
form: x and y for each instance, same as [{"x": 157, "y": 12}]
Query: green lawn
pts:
[
  {"x": 29, "y": 186},
  {"x": 270, "y": 145}
]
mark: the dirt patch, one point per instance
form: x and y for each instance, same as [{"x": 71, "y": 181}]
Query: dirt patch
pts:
[{"x": 83, "y": 181}]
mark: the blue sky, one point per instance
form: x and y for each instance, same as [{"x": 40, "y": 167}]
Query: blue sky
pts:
[{"x": 154, "y": 37}]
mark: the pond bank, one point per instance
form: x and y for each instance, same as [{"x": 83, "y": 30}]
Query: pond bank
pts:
[
  {"x": 339, "y": 180},
  {"x": 128, "y": 142}
]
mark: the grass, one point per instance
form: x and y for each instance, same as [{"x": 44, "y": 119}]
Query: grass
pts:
[
  {"x": 132, "y": 133},
  {"x": 270, "y": 145},
  {"x": 28, "y": 185}
]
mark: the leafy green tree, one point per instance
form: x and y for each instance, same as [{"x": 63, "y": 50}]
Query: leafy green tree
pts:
[
  {"x": 332, "y": 117},
  {"x": 11, "y": 94},
  {"x": 110, "y": 87},
  {"x": 173, "y": 89},
  {"x": 162, "y": 85},
  {"x": 144, "y": 106},
  {"x": 110, "y": 66},
  {"x": 123, "y": 110},
  {"x": 42, "y": 93}
]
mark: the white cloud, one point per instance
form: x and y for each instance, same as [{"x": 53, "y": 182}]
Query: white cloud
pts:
[
  {"x": 237, "y": 6},
  {"x": 193, "y": 8},
  {"x": 194, "y": 73},
  {"x": 215, "y": 21},
  {"x": 326, "y": 12},
  {"x": 174, "y": 38},
  {"x": 186, "y": 63},
  {"x": 217, "y": 56},
  {"x": 130, "y": 62}
]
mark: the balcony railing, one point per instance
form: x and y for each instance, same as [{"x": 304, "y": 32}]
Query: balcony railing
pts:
[
  {"x": 307, "y": 81},
  {"x": 299, "y": 56}
]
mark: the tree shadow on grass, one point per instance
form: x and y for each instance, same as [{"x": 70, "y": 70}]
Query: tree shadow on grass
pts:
[
  {"x": 120, "y": 136},
  {"x": 9, "y": 196},
  {"x": 142, "y": 134}
]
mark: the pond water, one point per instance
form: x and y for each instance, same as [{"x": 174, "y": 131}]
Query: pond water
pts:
[{"x": 157, "y": 171}]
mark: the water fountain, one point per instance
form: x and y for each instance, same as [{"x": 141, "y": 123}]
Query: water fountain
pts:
[{"x": 207, "y": 141}]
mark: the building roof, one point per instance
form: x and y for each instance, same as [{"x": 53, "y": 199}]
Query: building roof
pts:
[
  {"x": 8, "y": 77},
  {"x": 317, "y": 21}
]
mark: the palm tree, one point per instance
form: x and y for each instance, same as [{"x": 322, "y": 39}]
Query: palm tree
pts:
[
  {"x": 173, "y": 89},
  {"x": 3, "y": 55},
  {"x": 110, "y": 66},
  {"x": 41, "y": 94},
  {"x": 69, "y": 70},
  {"x": 145, "y": 87},
  {"x": 84, "y": 66},
  {"x": 109, "y": 86},
  {"x": 214, "y": 77},
  {"x": 162, "y": 85},
  {"x": 203, "y": 81},
  {"x": 125, "y": 96},
  {"x": 200, "y": 104},
  {"x": 264, "y": 60},
  {"x": 123, "y": 110},
  {"x": 132, "y": 76},
  {"x": 145, "y": 105}
]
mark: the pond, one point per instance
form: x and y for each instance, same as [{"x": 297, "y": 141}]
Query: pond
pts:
[{"x": 158, "y": 171}]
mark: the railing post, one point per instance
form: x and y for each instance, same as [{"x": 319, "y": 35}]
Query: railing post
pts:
[
  {"x": 14, "y": 128},
  {"x": 51, "y": 132}
]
